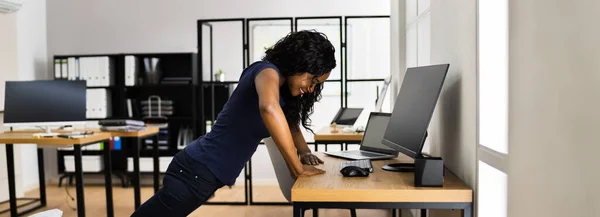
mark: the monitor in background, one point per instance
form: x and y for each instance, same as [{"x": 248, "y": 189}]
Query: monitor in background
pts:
[
  {"x": 347, "y": 116},
  {"x": 414, "y": 106},
  {"x": 44, "y": 104}
]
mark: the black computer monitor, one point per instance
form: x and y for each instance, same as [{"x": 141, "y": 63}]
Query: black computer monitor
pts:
[
  {"x": 414, "y": 106},
  {"x": 44, "y": 103}
]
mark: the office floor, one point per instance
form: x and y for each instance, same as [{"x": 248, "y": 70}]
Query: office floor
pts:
[{"x": 123, "y": 203}]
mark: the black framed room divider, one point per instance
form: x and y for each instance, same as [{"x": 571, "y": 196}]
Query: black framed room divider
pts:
[{"x": 239, "y": 53}]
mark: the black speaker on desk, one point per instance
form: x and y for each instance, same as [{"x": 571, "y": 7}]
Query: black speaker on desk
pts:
[{"x": 429, "y": 172}]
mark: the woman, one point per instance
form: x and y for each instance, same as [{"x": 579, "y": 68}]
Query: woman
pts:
[{"x": 273, "y": 98}]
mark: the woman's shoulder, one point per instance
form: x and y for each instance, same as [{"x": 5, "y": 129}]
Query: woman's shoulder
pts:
[{"x": 261, "y": 65}]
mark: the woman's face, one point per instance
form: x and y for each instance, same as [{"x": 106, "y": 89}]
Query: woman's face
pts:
[{"x": 305, "y": 83}]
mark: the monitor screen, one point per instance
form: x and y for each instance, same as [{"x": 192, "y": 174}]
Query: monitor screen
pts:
[
  {"x": 413, "y": 109},
  {"x": 45, "y": 101},
  {"x": 374, "y": 133},
  {"x": 347, "y": 116}
]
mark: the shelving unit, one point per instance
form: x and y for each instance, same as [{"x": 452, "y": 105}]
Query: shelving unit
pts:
[{"x": 126, "y": 84}]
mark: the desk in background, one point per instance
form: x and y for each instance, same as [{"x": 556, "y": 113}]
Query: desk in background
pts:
[
  {"x": 380, "y": 190},
  {"x": 139, "y": 136},
  {"x": 326, "y": 137},
  {"x": 16, "y": 138},
  {"x": 136, "y": 138}
]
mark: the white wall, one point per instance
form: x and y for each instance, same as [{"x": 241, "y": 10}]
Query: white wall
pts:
[
  {"x": 8, "y": 51},
  {"x": 112, "y": 26},
  {"x": 398, "y": 46},
  {"x": 553, "y": 108},
  {"x": 32, "y": 57},
  {"x": 23, "y": 57},
  {"x": 8, "y": 61},
  {"x": 453, "y": 128}
]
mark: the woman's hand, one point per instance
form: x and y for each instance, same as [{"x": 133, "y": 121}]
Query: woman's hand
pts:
[
  {"x": 310, "y": 159},
  {"x": 309, "y": 170}
]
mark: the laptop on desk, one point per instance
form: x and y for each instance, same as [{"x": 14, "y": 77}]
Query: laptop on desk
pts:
[
  {"x": 346, "y": 117},
  {"x": 371, "y": 146}
]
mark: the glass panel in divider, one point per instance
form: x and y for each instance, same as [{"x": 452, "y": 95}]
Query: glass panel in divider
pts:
[
  {"x": 364, "y": 94},
  {"x": 368, "y": 48},
  {"x": 206, "y": 51},
  {"x": 263, "y": 34},
  {"x": 331, "y": 28},
  {"x": 225, "y": 50}
]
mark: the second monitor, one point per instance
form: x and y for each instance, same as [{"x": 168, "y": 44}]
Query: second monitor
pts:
[{"x": 414, "y": 106}]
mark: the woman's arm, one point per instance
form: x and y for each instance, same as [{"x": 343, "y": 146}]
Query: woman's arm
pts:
[
  {"x": 267, "y": 86},
  {"x": 306, "y": 157}
]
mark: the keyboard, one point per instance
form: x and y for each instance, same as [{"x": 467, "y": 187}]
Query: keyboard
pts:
[{"x": 366, "y": 164}]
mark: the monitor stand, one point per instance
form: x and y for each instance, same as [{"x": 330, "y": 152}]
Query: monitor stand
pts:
[
  {"x": 47, "y": 132},
  {"x": 406, "y": 167},
  {"x": 400, "y": 167}
]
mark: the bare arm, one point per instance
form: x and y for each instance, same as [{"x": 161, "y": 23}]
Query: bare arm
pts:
[
  {"x": 306, "y": 157},
  {"x": 299, "y": 141},
  {"x": 267, "y": 86}
]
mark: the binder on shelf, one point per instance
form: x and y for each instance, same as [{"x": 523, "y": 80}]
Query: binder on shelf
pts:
[
  {"x": 57, "y": 71},
  {"x": 97, "y": 71},
  {"x": 71, "y": 68},
  {"x": 130, "y": 70},
  {"x": 98, "y": 104},
  {"x": 64, "y": 69}
]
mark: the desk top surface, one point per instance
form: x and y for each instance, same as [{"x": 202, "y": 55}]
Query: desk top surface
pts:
[
  {"x": 142, "y": 133},
  {"x": 325, "y": 134},
  {"x": 379, "y": 186},
  {"x": 27, "y": 138}
]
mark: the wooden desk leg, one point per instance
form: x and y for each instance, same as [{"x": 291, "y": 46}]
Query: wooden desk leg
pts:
[
  {"x": 79, "y": 182},
  {"x": 156, "y": 162},
  {"x": 108, "y": 179},
  {"x": 42, "y": 176},
  {"x": 136, "y": 172},
  {"x": 10, "y": 164}
]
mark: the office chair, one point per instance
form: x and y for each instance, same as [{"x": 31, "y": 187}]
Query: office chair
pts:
[{"x": 284, "y": 178}]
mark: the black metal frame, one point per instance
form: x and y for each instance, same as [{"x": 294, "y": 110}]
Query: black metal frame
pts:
[
  {"x": 346, "y": 80},
  {"x": 42, "y": 181},
  {"x": 343, "y": 81},
  {"x": 342, "y": 48},
  {"x": 247, "y": 63},
  {"x": 300, "y": 207},
  {"x": 201, "y": 83}
]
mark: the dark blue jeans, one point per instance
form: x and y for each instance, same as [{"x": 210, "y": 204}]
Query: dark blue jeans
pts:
[{"x": 186, "y": 185}]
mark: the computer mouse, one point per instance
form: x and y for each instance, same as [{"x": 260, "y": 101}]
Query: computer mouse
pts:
[{"x": 353, "y": 171}]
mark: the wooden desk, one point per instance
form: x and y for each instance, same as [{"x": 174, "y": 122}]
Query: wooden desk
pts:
[
  {"x": 326, "y": 137},
  {"x": 15, "y": 138},
  {"x": 380, "y": 190},
  {"x": 24, "y": 136}
]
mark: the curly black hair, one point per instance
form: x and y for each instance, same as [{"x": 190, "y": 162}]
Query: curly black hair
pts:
[{"x": 296, "y": 53}]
